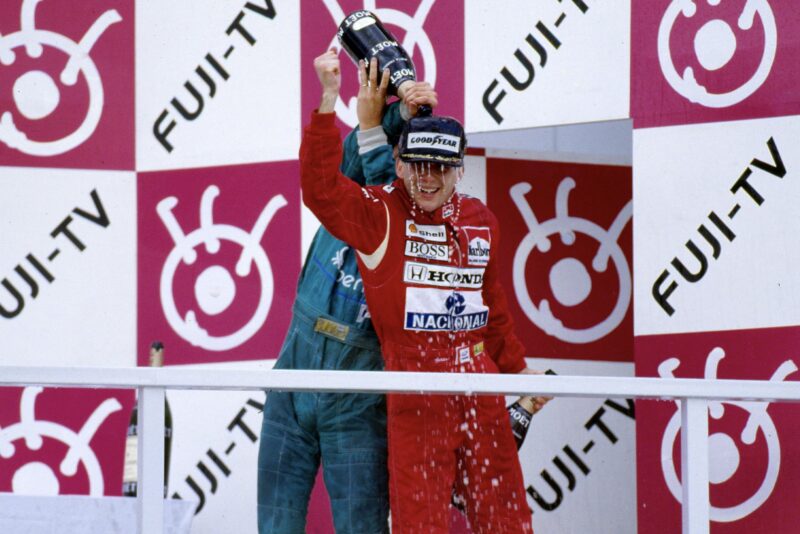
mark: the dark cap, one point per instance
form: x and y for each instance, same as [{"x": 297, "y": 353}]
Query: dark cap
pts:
[{"x": 433, "y": 139}]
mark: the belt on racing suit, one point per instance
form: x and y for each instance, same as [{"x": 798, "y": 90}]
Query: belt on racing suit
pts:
[
  {"x": 445, "y": 358},
  {"x": 328, "y": 326}
]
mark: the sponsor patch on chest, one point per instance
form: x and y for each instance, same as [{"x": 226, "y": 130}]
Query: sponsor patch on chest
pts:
[
  {"x": 428, "y": 251},
  {"x": 479, "y": 242},
  {"x": 435, "y": 233},
  {"x": 448, "y": 210},
  {"x": 443, "y": 275},
  {"x": 442, "y": 310}
]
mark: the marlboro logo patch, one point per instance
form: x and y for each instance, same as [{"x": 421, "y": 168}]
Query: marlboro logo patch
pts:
[{"x": 479, "y": 242}]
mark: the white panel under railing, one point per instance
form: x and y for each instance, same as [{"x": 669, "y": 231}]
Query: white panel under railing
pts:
[{"x": 694, "y": 395}]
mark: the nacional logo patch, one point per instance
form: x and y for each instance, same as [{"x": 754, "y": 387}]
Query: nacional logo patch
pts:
[
  {"x": 428, "y": 251},
  {"x": 428, "y": 232},
  {"x": 479, "y": 240},
  {"x": 443, "y": 276},
  {"x": 442, "y": 310}
]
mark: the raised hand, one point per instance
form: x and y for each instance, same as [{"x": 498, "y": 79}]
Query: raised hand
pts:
[
  {"x": 416, "y": 94},
  {"x": 329, "y": 73},
  {"x": 540, "y": 400},
  {"x": 371, "y": 94}
]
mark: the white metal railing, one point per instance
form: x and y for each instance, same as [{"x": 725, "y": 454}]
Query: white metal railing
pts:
[{"x": 152, "y": 382}]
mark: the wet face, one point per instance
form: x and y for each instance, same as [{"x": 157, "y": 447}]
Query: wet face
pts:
[{"x": 429, "y": 184}]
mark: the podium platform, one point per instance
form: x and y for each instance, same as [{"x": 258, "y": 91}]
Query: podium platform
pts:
[{"x": 77, "y": 514}]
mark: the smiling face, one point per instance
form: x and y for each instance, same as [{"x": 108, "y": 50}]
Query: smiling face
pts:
[{"x": 429, "y": 184}]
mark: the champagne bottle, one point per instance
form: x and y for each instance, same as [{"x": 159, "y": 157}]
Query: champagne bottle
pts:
[
  {"x": 520, "y": 414},
  {"x": 130, "y": 466},
  {"x": 363, "y": 36},
  {"x": 131, "y": 469}
]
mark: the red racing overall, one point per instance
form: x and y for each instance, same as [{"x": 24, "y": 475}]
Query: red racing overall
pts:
[{"x": 437, "y": 306}]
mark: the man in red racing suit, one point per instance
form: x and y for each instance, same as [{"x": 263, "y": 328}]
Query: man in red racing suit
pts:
[{"x": 428, "y": 263}]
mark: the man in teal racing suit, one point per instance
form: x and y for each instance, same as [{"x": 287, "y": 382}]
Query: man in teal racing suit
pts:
[{"x": 331, "y": 330}]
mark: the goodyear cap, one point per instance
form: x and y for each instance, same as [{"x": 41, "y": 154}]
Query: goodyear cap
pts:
[{"x": 433, "y": 139}]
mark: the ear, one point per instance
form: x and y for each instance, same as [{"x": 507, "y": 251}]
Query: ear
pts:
[{"x": 399, "y": 167}]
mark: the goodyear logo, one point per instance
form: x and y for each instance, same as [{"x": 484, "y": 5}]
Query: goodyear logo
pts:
[{"x": 437, "y": 141}]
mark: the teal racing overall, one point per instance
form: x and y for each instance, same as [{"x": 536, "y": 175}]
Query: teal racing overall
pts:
[{"x": 330, "y": 330}]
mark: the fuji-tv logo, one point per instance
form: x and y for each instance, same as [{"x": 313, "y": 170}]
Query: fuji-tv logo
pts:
[
  {"x": 570, "y": 277},
  {"x": 215, "y": 289},
  {"x": 716, "y": 45},
  {"x": 38, "y": 95},
  {"x": 728, "y": 443},
  {"x": 32, "y": 447}
]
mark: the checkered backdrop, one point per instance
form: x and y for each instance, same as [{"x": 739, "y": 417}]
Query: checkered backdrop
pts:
[{"x": 141, "y": 141}]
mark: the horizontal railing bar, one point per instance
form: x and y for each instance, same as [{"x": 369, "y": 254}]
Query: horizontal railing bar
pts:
[{"x": 401, "y": 382}]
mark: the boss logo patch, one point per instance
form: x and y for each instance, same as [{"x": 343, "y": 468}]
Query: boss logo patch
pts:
[{"x": 428, "y": 251}]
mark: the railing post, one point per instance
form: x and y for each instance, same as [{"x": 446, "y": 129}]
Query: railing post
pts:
[
  {"x": 694, "y": 466},
  {"x": 150, "y": 492}
]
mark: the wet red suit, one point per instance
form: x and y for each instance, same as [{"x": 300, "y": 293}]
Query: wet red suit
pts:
[{"x": 436, "y": 305}]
